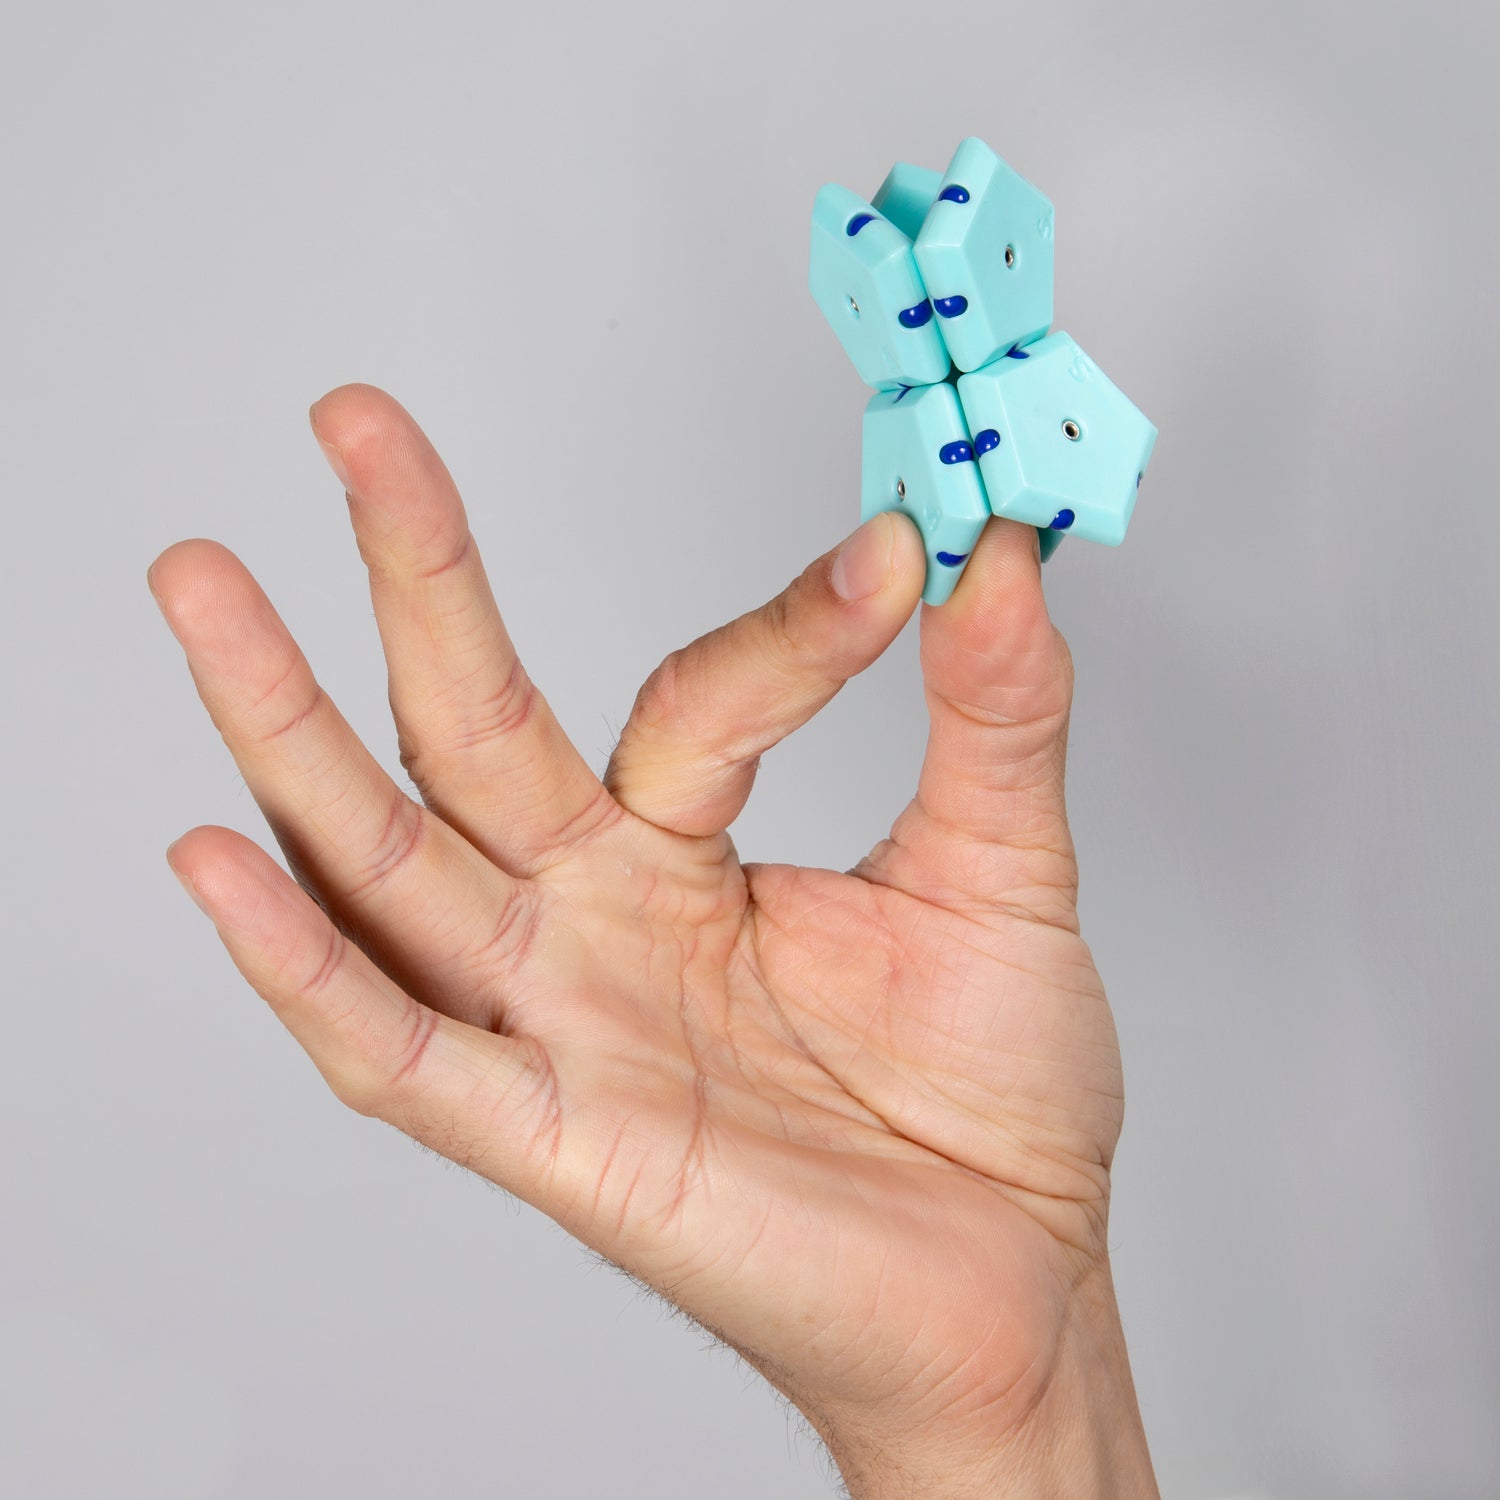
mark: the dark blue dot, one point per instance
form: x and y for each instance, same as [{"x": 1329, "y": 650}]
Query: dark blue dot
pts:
[
  {"x": 1138, "y": 479},
  {"x": 1019, "y": 353},
  {"x": 857, "y": 223},
  {"x": 915, "y": 317},
  {"x": 986, "y": 441},
  {"x": 951, "y": 307},
  {"x": 956, "y": 453},
  {"x": 951, "y": 559},
  {"x": 954, "y": 193},
  {"x": 1062, "y": 520}
]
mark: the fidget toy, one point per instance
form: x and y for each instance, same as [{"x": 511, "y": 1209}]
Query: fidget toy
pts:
[{"x": 940, "y": 291}]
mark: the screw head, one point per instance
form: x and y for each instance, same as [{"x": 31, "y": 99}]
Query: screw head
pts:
[
  {"x": 901, "y": 489},
  {"x": 1071, "y": 430},
  {"x": 1010, "y": 257},
  {"x": 853, "y": 308}
]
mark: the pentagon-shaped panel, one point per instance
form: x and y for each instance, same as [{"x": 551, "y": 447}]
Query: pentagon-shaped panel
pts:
[
  {"x": 863, "y": 276},
  {"x": 985, "y": 256},
  {"x": 1058, "y": 444}
]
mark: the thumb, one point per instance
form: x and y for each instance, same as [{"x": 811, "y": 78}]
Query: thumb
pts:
[
  {"x": 989, "y": 821},
  {"x": 688, "y": 756}
]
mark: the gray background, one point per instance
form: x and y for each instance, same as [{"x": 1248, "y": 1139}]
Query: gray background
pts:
[{"x": 574, "y": 244}]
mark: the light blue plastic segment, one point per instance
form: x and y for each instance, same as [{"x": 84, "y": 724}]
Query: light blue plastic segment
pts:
[
  {"x": 866, "y": 285},
  {"x": 1059, "y": 445},
  {"x": 986, "y": 302},
  {"x": 913, "y": 461},
  {"x": 906, "y": 195}
]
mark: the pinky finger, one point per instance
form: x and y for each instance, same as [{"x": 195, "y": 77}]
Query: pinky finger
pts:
[{"x": 477, "y": 1098}]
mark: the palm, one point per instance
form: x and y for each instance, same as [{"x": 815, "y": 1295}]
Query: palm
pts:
[
  {"x": 825, "y": 1072},
  {"x": 795, "y": 1101}
]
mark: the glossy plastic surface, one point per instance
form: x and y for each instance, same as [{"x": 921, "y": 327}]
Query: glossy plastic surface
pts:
[
  {"x": 918, "y": 457},
  {"x": 1070, "y": 448},
  {"x": 940, "y": 290},
  {"x": 863, "y": 276},
  {"x": 906, "y": 195},
  {"x": 985, "y": 255}
]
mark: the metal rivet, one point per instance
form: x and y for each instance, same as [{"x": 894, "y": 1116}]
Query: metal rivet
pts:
[
  {"x": 1010, "y": 256},
  {"x": 1072, "y": 431},
  {"x": 854, "y": 307},
  {"x": 901, "y": 489}
]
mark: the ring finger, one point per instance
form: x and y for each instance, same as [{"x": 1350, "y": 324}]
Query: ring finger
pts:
[{"x": 407, "y": 887}]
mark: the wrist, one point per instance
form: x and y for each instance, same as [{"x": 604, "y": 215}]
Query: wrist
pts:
[{"x": 1073, "y": 1431}]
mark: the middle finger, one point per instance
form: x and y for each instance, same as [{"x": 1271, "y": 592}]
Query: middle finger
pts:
[{"x": 477, "y": 738}]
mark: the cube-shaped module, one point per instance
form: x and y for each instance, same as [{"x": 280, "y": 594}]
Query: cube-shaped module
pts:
[
  {"x": 1062, "y": 447},
  {"x": 985, "y": 256},
  {"x": 863, "y": 276},
  {"x": 919, "y": 458}
]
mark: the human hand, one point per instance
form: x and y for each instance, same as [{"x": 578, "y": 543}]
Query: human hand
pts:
[{"x": 857, "y": 1125}]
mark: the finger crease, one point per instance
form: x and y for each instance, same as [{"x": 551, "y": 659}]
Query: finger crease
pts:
[
  {"x": 395, "y": 846},
  {"x": 450, "y": 564},
  {"x": 297, "y": 720},
  {"x": 424, "y": 1027}
]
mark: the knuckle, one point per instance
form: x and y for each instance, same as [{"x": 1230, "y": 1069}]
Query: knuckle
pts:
[
  {"x": 402, "y": 1067},
  {"x": 331, "y": 965},
  {"x": 398, "y": 560},
  {"x": 504, "y": 710},
  {"x": 287, "y": 722},
  {"x": 500, "y": 712},
  {"x": 449, "y": 557},
  {"x": 400, "y": 837},
  {"x": 662, "y": 703},
  {"x": 380, "y": 1078},
  {"x": 779, "y": 628}
]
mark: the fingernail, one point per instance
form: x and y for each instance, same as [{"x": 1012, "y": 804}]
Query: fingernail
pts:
[
  {"x": 336, "y": 463},
  {"x": 863, "y": 566},
  {"x": 332, "y": 454},
  {"x": 185, "y": 882}
]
